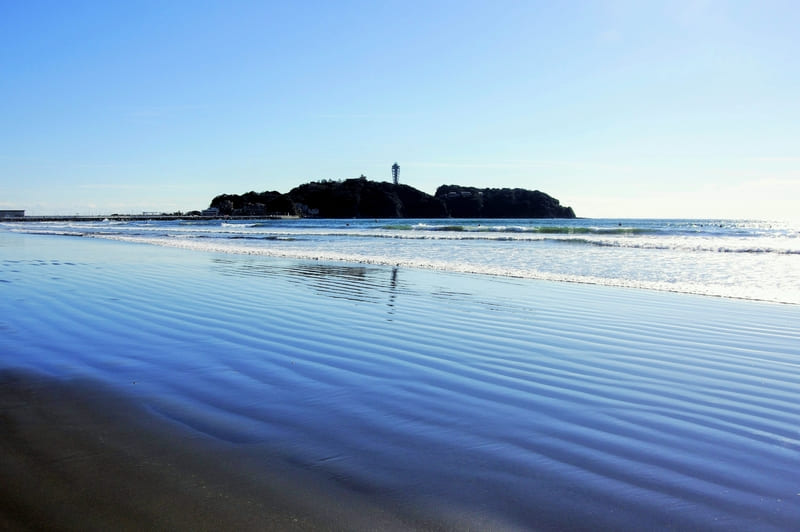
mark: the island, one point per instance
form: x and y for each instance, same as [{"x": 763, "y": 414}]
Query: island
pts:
[{"x": 364, "y": 198}]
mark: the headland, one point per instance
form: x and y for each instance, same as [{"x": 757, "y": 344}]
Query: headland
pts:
[{"x": 363, "y": 198}]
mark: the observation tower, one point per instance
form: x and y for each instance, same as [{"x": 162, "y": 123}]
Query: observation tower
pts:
[{"x": 396, "y": 173}]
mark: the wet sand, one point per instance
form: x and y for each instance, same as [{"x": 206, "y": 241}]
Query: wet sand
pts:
[{"x": 76, "y": 456}]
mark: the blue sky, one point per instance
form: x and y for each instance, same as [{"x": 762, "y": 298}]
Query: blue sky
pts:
[{"x": 617, "y": 108}]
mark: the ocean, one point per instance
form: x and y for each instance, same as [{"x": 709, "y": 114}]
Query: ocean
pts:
[
  {"x": 413, "y": 374},
  {"x": 728, "y": 258}
]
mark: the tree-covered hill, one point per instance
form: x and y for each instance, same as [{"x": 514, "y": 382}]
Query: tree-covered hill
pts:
[
  {"x": 471, "y": 202},
  {"x": 362, "y": 198}
]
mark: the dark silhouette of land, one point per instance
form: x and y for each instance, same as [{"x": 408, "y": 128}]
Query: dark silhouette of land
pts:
[{"x": 363, "y": 198}]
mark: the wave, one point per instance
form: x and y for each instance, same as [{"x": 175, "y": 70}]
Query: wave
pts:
[
  {"x": 508, "y": 235},
  {"x": 621, "y": 238},
  {"x": 204, "y": 223},
  {"x": 677, "y": 244},
  {"x": 227, "y": 246},
  {"x": 724, "y": 265},
  {"x": 537, "y": 229},
  {"x": 397, "y": 227},
  {"x": 264, "y": 237},
  {"x": 686, "y": 245}
]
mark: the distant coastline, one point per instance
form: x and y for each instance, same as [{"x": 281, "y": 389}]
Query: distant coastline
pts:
[{"x": 144, "y": 217}]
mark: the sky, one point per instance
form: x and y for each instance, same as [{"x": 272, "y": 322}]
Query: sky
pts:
[{"x": 617, "y": 108}]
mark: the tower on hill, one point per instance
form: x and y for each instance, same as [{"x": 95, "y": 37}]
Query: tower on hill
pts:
[{"x": 396, "y": 173}]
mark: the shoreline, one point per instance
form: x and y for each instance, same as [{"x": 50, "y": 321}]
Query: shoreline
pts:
[{"x": 648, "y": 255}]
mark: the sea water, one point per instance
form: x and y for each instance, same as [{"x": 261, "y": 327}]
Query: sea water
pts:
[
  {"x": 491, "y": 398},
  {"x": 754, "y": 260}
]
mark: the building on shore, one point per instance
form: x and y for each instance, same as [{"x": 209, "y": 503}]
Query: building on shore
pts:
[{"x": 12, "y": 214}]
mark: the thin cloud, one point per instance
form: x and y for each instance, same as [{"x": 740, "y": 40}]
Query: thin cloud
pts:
[
  {"x": 360, "y": 116},
  {"x": 469, "y": 165},
  {"x": 789, "y": 159},
  {"x": 769, "y": 183},
  {"x": 131, "y": 186},
  {"x": 112, "y": 186},
  {"x": 516, "y": 165}
]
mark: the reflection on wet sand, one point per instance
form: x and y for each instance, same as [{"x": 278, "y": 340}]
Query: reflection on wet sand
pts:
[{"x": 355, "y": 283}]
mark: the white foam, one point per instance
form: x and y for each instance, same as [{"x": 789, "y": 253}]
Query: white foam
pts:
[
  {"x": 748, "y": 260},
  {"x": 780, "y": 292}
]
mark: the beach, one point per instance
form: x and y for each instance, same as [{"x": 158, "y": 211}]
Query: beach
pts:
[
  {"x": 149, "y": 387},
  {"x": 78, "y": 456}
]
